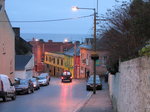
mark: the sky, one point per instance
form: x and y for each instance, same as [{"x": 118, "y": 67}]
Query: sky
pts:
[{"x": 37, "y": 10}]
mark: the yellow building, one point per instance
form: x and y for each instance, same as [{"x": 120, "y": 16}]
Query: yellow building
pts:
[
  {"x": 69, "y": 64},
  {"x": 58, "y": 62},
  {"x": 55, "y": 63}
]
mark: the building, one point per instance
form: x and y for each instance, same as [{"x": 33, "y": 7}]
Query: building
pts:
[
  {"x": 69, "y": 60},
  {"x": 24, "y": 66},
  {"x": 55, "y": 63},
  {"x": 40, "y": 47},
  {"x": 86, "y": 63},
  {"x": 7, "y": 44},
  {"x": 72, "y": 60},
  {"x": 21, "y": 46}
]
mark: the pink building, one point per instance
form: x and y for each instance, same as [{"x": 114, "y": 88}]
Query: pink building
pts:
[
  {"x": 86, "y": 63},
  {"x": 7, "y": 44}
]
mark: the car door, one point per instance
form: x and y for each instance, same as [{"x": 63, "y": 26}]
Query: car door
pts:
[{"x": 12, "y": 88}]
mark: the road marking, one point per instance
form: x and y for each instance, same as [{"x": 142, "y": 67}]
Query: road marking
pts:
[{"x": 82, "y": 103}]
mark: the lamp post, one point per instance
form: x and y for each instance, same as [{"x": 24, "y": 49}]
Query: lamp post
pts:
[{"x": 94, "y": 56}]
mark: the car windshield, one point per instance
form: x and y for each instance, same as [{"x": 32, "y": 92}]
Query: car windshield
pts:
[
  {"x": 92, "y": 81},
  {"x": 22, "y": 82},
  {"x": 33, "y": 79},
  {"x": 40, "y": 78},
  {"x": 66, "y": 73}
]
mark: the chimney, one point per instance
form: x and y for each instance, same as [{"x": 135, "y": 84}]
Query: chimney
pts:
[
  {"x": 50, "y": 41},
  {"x": 2, "y": 3},
  {"x": 17, "y": 31}
]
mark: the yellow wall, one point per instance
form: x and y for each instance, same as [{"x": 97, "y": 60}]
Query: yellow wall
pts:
[
  {"x": 54, "y": 59},
  {"x": 69, "y": 64},
  {"x": 68, "y": 61}
]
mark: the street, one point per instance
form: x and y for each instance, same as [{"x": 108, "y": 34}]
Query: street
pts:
[{"x": 57, "y": 97}]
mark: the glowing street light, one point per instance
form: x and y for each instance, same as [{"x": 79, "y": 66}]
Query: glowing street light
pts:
[
  {"x": 74, "y": 8},
  {"x": 94, "y": 56},
  {"x": 65, "y": 40}
]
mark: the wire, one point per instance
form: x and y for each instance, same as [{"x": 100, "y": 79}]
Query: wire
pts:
[{"x": 49, "y": 20}]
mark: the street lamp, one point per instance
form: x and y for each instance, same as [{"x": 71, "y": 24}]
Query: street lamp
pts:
[{"x": 94, "y": 56}]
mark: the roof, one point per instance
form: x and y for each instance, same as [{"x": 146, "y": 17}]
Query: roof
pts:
[
  {"x": 71, "y": 51},
  {"x": 86, "y": 46},
  {"x": 21, "y": 61}
]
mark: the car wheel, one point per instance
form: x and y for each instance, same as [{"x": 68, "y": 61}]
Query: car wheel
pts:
[
  {"x": 29, "y": 91},
  {"x": 32, "y": 90},
  {"x": 87, "y": 89},
  {"x": 5, "y": 98},
  {"x": 14, "y": 97}
]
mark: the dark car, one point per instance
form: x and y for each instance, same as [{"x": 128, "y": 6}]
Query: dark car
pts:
[
  {"x": 24, "y": 86},
  {"x": 90, "y": 83},
  {"x": 36, "y": 84},
  {"x": 66, "y": 76}
]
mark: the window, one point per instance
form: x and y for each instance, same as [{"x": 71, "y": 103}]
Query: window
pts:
[
  {"x": 54, "y": 60},
  {"x": 62, "y": 62},
  {"x": 46, "y": 58},
  {"x": 49, "y": 59},
  {"x": 58, "y": 61}
]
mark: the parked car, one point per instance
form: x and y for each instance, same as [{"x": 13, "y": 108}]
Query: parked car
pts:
[
  {"x": 36, "y": 84},
  {"x": 66, "y": 76},
  {"x": 90, "y": 83},
  {"x": 46, "y": 75},
  {"x": 43, "y": 81},
  {"x": 24, "y": 86},
  {"x": 106, "y": 76},
  {"x": 7, "y": 90}
]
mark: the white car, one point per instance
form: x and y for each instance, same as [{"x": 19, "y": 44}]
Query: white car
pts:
[{"x": 7, "y": 90}]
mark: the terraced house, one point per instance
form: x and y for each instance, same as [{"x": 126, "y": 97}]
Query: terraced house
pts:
[
  {"x": 69, "y": 60},
  {"x": 55, "y": 63},
  {"x": 7, "y": 44}
]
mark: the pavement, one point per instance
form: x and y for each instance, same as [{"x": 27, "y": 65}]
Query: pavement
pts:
[{"x": 99, "y": 102}]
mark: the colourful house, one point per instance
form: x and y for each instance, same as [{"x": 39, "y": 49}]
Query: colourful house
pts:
[
  {"x": 69, "y": 60},
  {"x": 72, "y": 60},
  {"x": 40, "y": 47},
  {"x": 86, "y": 63},
  {"x": 55, "y": 63}
]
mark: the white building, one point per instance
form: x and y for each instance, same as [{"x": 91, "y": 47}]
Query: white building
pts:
[{"x": 24, "y": 65}]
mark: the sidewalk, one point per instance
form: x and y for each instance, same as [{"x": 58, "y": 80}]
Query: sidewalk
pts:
[{"x": 99, "y": 102}]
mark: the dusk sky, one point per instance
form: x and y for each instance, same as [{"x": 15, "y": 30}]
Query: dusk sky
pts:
[{"x": 34, "y": 10}]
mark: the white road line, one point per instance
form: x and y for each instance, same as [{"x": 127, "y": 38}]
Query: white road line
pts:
[{"x": 81, "y": 104}]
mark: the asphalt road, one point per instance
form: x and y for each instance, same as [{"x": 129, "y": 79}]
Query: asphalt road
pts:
[{"x": 57, "y": 97}]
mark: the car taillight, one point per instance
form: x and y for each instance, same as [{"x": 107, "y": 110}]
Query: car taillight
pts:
[
  {"x": 71, "y": 77},
  {"x": 2, "y": 85},
  {"x": 62, "y": 77}
]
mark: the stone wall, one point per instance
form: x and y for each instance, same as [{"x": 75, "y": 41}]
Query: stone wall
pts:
[{"x": 130, "y": 88}]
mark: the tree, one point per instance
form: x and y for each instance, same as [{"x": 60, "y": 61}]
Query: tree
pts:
[{"x": 126, "y": 31}]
